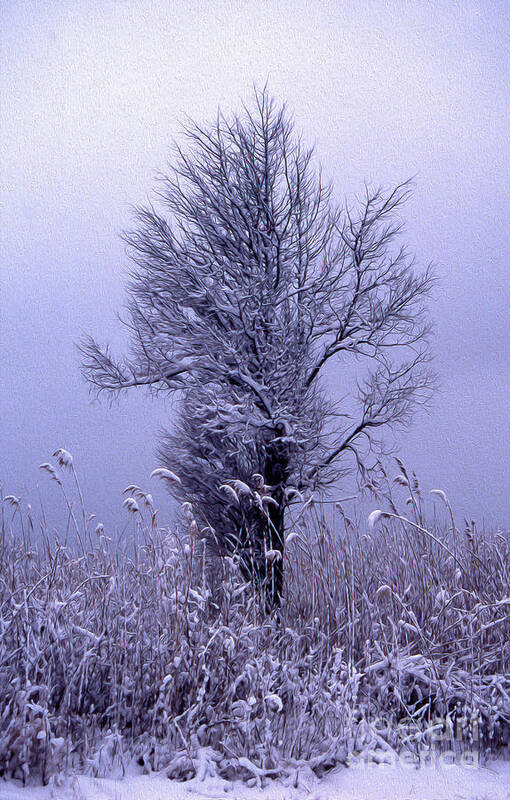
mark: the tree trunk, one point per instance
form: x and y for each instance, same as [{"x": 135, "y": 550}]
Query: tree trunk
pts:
[
  {"x": 276, "y": 475},
  {"x": 263, "y": 530},
  {"x": 274, "y": 568}
]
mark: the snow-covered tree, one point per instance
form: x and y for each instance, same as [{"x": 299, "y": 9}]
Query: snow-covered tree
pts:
[{"x": 248, "y": 280}]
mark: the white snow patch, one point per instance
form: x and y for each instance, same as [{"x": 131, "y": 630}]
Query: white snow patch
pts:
[{"x": 375, "y": 782}]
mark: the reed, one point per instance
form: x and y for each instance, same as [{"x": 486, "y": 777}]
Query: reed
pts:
[{"x": 143, "y": 648}]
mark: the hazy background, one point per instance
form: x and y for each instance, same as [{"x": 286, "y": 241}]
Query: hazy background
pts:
[{"x": 92, "y": 94}]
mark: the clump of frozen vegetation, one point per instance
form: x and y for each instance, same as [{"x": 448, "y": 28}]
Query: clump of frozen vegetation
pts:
[{"x": 391, "y": 638}]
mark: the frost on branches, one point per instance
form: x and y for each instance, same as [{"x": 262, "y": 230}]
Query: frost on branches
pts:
[{"x": 247, "y": 281}]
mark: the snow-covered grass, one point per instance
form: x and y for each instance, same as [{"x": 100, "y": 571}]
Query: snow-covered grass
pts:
[{"x": 390, "y": 643}]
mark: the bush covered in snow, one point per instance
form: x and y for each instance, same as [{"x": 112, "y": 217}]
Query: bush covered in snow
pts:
[{"x": 390, "y": 637}]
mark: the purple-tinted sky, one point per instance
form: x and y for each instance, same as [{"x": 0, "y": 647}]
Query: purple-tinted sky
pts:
[{"x": 92, "y": 94}]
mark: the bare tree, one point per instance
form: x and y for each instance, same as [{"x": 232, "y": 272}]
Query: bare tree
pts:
[{"x": 247, "y": 282}]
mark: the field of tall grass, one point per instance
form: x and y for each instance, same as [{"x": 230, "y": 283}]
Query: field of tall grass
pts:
[{"x": 393, "y": 638}]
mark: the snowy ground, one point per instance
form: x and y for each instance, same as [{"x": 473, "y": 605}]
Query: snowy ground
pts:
[{"x": 372, "y": 783}]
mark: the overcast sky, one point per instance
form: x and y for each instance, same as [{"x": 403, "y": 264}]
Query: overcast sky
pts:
[{"x": 92, "y": 94}]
